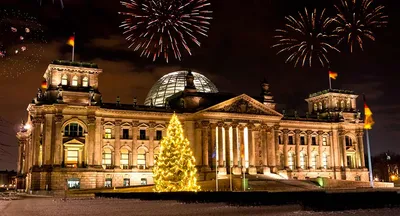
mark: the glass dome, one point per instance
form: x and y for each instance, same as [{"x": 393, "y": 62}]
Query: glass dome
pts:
[{"x": 175, "y": 82}]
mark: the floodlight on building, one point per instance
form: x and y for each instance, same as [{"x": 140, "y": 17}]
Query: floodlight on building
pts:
[{"x": 27, "y": 126}]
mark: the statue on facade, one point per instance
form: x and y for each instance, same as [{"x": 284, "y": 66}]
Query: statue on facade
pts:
[
  {"x": 59, "y": 94},
  {"x": 39, "y": 95},
  {"x": 134, "y": 102},
  {"x": 92, "y": 100},
  {"x": 118, "y": 101}
]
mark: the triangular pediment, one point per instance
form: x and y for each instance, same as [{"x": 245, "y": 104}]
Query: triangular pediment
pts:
[
  {"x": 243, "y": 104},
  {"x": 73, "y": 141}
]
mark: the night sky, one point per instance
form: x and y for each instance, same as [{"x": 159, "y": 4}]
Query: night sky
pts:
[{"x": 236, "y": 56}]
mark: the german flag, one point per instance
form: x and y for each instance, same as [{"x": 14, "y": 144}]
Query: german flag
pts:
[
  {"x": 368, "y": 121},
  {"x": 71, "y": 41},
  {"x": 332, "y": 75}
]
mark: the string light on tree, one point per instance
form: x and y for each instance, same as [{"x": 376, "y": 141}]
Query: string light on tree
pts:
[{"x": 175, "y": 166}]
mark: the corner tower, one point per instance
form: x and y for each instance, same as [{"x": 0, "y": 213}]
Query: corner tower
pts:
[
  {"x": 74, "y": 83},
  {"x": 334, "y": 103}
]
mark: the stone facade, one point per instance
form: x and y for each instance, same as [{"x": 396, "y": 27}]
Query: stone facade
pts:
[{"x": 72, "y": 139}]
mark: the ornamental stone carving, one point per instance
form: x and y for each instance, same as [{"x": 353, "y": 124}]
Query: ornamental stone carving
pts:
[{"x": 242, "y": 106}]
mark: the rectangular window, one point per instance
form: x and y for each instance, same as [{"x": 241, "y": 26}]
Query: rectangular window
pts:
[
  {"x": 72, "y": 156},
  {"x": 125, "y": 133},
  {"x": 143, "y": 181},
  {"x": 107, "y": 159},
  {"x": 313, "y": 140},
  {"x": 280, "y": 139},
  {"x": 142, "y": 134},
  {"x": 124, "y": 160},
  {"x": 349, "y": 161},
  {"x": 291, "y": 140},
  {"x": 107, "y": 133},
  {"x": 108, "y": 182},
  {"x": 158, "y": 135},
  {"x": 127, "y": 182},
  {"x": 302, "y": 140},
  {"x": 73, "y": 183},
  {"x": 141, "y": 161},
  {"x": 324, "y": 141}
]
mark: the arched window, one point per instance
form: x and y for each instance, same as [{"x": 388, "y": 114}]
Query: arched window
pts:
[
  {"x": 315, "y": 107},
  {"x": 291, "y": 160},
  {"x": 75, "y": 81},
  {"x": 348, "y": 104},
  {"x": 302, "y": 160},
  {"x": 342, "y": 104},
  {"x": 107, "y": 158},
  {"x": 73, "y": 130},
  {"x": 64, "y": 80},
  {"x": 124, "y": 160},
  {"x": 320, "y": 105},
  {"x": 324, "y": 161},
  {"x": 349, "y": 141},
  {"x": 156, "y": 154},
  {"x": 313, "y": 160},
  {"x": 85, "y": 82},
  {"x": 141, "y": 158}
]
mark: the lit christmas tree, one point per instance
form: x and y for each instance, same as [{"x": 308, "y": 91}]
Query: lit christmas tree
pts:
[{"x": 175, "y": 166}]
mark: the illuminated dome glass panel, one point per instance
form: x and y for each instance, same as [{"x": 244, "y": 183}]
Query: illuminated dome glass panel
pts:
[{"x": 175, "y": 82}]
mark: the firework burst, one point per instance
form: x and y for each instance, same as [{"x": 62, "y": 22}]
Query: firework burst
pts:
[
  {"x": 158, "y": 27},
  {"x": 356, "y": 19},
  {"x": 21, "y": 40},
  {"x": 306, "y": 39},
  {"x": 61, "y": 2}
]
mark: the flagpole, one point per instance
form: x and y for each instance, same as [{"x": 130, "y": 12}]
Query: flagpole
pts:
[
  {"x": 371, "y": 180},
  {"x": 73, "y": 49}
]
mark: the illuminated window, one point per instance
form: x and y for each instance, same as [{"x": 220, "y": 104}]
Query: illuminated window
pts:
[
  {"x": 72, "y": 156},
  {"x": 324, "y": 161},
  {"x": 342, "y": 104},
  {"x": 107, "y": 158},
  {"x": 313, "y": 160},
  {"x": 127, "y": 182},
  {"x": 348, "y": 104},
  {"x": 290, "y": 160},
  {"x": 73, "y": 130},
  {"x": 320, "y": 105},
  {"x": 141, "y": 158},
  {"x": 302, "y": 160},
  {"x": 108, "y": 182},
  {"x": 315, "y": 107},
  {"x": 124, "y": 159},
  {"x": 64, "y": 80},
  {"x": 85, "y": 82},
  {"x": 107, "y": 133},
  {"x": 73, "y": 183},
  {"x": 75, "y": 81},
  {"x": 324, "y": 141}
]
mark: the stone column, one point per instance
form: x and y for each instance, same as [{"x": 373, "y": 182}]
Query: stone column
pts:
[
  {"x": 285, "y": 146},
  {"x": 342, "y": 144},
  {"x": 91, "y": 139},
  {"x": 220, "y": 145},
  {"x": 319, "y": 162},
  {"x": 235, "y": 144},
  {"x": 252, "y": 147},
  {"x": 309, "y": 141},
  {"x": 36, "y": 136},
  {"x": 276, "y": 139},
  {"x": 227, "y": 148},
  {"x": 204, "y": 133},
  {"x": 198, "y": 146},
  {"x": 57, "y": 141},
  {"x": 360, "y": 137},
  {"x": 241, "y": 146},
  {"x": 152, "y": 132},
  {"x": 297, "y": 140},
  {"x": 47, "y": 139},
  {"x": 21, "y": 143},
  {"x": 212, "y": 146},
  {"x": 264, "y": 148},
  {"x": 332, "y": 162},
  {"x": 117, "y": 143},
  {"x": 271, "y": 148},
  {"x": 135, "y": 131},
  {"x": 98, "y": 145}
]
